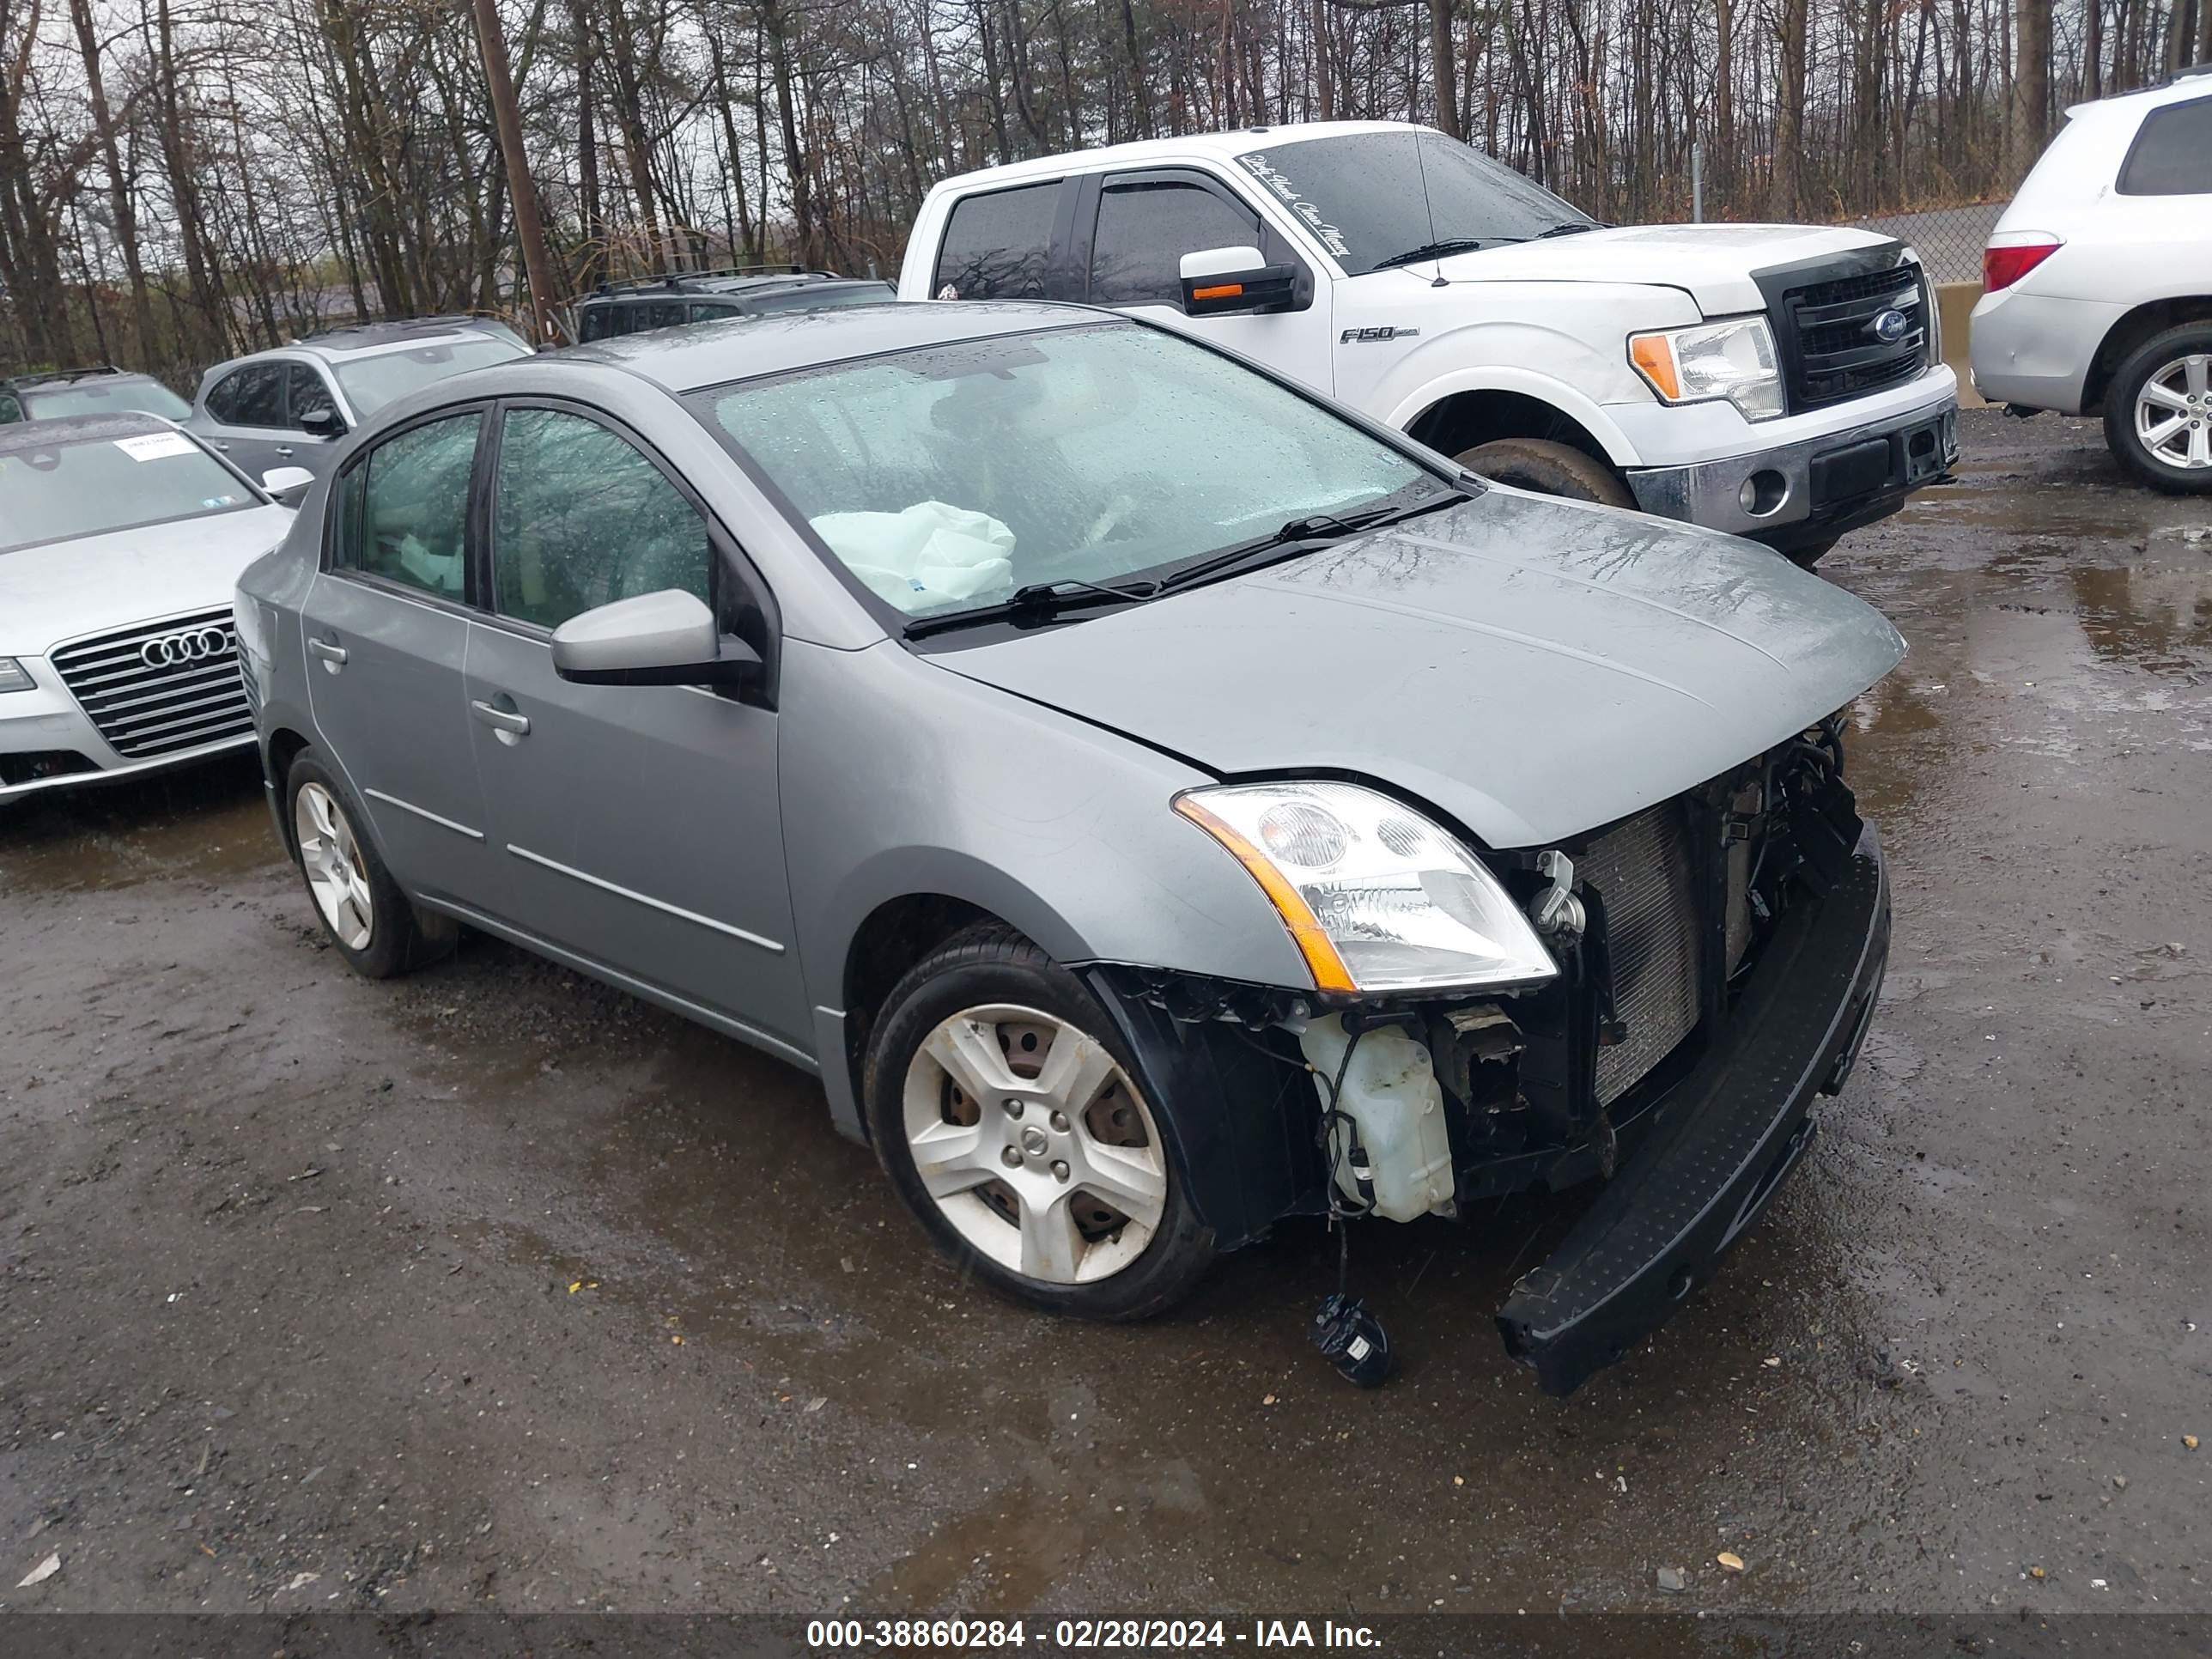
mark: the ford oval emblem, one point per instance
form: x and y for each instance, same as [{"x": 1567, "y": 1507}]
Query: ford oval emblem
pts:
[{"x": 1889, "y": 327}]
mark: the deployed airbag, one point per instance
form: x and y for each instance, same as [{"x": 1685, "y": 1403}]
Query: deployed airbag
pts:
[{"x": 925, "y": 556}]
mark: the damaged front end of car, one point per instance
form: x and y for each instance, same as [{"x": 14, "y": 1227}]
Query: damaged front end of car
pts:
[{"x": 1708, "y": 967}]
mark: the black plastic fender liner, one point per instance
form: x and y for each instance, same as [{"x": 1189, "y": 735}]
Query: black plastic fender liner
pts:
[
  {"x": 1243, "y": 1121},
  {"x": 1729, "y": 1132}
]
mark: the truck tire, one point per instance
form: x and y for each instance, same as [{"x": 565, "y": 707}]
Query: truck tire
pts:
[
  {"x": 1549, "y": 469},
  {"x": 2151, "y": 396}
]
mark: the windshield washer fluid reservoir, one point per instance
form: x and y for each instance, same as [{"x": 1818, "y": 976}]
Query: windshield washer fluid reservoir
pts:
[{"x": 1390, "y": 1092}]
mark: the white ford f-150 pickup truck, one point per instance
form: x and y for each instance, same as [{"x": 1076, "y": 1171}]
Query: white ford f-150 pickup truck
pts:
[{"x": 1783, "y": 382}]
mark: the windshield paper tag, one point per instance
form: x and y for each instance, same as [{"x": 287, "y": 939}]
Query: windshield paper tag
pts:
[{"x": 153, "y": 446}]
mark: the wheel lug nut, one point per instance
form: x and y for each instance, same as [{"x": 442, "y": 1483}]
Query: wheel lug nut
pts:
[
  {"x": 1059, "y": 1169},
  {"x": 1059, "y": 1121},
  {"x": 1013, "y": 1107},
  {"x": 1011, "y": 1157}
]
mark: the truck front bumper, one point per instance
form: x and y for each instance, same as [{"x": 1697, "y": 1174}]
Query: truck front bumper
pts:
[
  {"x": 1719, "y": 1143},
  {"x": 1806, "y": 493}
]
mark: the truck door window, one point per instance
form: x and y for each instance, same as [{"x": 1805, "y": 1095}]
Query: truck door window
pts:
[
  {"x": 2172, "y": 154},
  {"x": 995, "y": 246},
  {"x": 1146, "y": 226}
]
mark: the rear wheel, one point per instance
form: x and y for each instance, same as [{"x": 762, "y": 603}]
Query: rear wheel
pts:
[
  {"x": 2158, "y": 411},
  {"x": 1010, "y": 1121},
  {"x": 1550, "y": 469},
  {"x": 367, "y": 918}
]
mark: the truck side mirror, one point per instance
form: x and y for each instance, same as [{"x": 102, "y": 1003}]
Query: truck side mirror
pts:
[{"x": 1224, "y": 281}]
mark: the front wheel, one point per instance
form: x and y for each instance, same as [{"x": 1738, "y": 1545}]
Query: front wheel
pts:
[
  {"x": 1549, "y": 469},
  {"x": 2158, "y": 411},
  {"x": 1012, "y": 1125}
]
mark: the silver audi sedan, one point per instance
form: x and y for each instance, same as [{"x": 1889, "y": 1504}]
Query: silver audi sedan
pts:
[
  {"x": 121, "y": 540},
  {"x": 1153, "y": 801}
]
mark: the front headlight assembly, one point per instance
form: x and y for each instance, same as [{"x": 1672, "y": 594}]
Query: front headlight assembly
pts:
[
  {"x": 13, "y": 676},
  {"x": 1734, "y": 360},
  {"x": 1378, "y": 898}
]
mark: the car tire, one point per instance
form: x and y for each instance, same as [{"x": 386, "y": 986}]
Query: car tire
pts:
[
  {"x": 367, "y": 918},
  {"x": 1092, "y": 1216},
  {"x": 1549, "y": 469},
  {"x": 2154, "y": 384}
]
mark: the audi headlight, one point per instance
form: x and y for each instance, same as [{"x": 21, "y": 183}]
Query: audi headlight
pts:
[
  {"x": 13, "y": 676},
  {"x": 1377, "y": 898},
  {"x": 1734, "y": 360}
]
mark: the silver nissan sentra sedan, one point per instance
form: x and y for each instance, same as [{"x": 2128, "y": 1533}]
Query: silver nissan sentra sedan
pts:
[{"x": 1155, "y": 801}]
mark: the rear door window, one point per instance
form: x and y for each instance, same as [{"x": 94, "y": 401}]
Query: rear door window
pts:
[
  {"x": 997, "y": 246},
  {"x": 2172, "y": 154},
  {"x": 1145, "y": 225},
  {"x": 254, "y": 396},
  {"x": 403, "y": 511}
]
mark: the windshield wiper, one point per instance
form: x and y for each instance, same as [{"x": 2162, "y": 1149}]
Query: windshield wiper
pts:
[
  {"x": 1300, "y": 534},
  {"x": 1038, "y": 601},
  {"x": 1438, "y": 250},
  {"x": 1564, "y": 228}
]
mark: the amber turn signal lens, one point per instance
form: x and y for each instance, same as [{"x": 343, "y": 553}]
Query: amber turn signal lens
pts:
[
  {"x": 1654, "y": 360},
  {"x": 1225, "y": 291}
]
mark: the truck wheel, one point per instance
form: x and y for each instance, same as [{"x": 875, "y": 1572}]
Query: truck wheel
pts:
[
  {"x": 2158, "y": 411},
  {"x": 1012, "y": 1126},
  {"x": 1549, "y": 469}
]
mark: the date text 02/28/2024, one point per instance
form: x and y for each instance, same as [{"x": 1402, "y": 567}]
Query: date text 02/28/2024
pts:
[{"x": 1083, "y": 1634}]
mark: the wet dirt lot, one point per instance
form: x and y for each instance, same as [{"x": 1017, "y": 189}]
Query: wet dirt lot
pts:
[{"x": 494, "y": 1288}]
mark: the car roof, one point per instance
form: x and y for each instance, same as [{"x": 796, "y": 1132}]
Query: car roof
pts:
[
  {"x": 78, "y": 430},
  {"x": 362, "y": 340},
  {"x": 732, "y": 282},
  {"x": 685, "y": 359},
  {"x": 1155, "y": 152},
  {"x": 2188, "y": 84},
  {"x": 53, "y": 377}
]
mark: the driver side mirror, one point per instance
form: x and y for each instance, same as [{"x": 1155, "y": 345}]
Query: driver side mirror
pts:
[
  {"x": 321, "y": 421},
  {"x": 667, "y": 638},
  {"x": 1225, "y": 282}
]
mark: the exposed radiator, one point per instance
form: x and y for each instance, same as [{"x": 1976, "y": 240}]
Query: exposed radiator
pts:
[{"x": 1644, "y": 873}]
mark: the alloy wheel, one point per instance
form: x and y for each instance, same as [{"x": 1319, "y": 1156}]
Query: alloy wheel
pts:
[
  {"x": 336, "y": 873},
  {"x": 1034, "y": 1145},
  {"x": 2173, "y": 413}
]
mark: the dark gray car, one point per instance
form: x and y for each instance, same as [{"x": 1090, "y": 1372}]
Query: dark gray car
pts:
[{"x": 1153, "y": 801}]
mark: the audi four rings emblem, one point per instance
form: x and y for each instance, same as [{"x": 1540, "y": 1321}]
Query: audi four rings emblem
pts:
[{"x": 192, "y": 645}]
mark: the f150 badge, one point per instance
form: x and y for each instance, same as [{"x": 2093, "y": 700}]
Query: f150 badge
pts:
[{"x": 1362, "y": 335}]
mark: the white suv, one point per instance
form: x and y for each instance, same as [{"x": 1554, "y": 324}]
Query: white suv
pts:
[{"x": 2099, "y": 281}]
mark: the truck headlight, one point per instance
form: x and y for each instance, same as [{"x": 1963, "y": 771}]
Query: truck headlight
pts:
[
  {"x": 1377, "y": 898},
  {"x": 13, "y": 676},
  {"x": 1734, "y": 360}
]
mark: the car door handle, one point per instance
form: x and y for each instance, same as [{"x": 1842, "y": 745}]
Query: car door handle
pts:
[
  {"x": 506, "y": 721},
  {"x": 329, "y": 651},
  {"x": 285, "y": 450},
  {"x": 217, "y": 443}
]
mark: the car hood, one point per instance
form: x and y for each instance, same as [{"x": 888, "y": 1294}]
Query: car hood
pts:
[
  {"x": 1533, "y": 668},
  {"x": 59, "y": 590},
  {"x": 1712, "y": 262}
]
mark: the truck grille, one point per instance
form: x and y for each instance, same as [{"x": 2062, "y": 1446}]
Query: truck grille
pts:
[
  {"x": 157, "y": 687},
  {"x": 1829, "y": 347},
  {"x": 1643, "y": 874}
]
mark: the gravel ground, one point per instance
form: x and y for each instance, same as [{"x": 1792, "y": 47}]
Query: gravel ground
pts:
[{"x": 493, "y": 1289}]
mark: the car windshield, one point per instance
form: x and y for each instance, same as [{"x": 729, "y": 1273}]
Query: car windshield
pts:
[
  {"x": 86, "y": 486},
  {"x": 103, "y": 397},
  {"x": 372, "y": 382},
  {"x": 947, "y": 477},
  {"x": 1375, "y": 199}
]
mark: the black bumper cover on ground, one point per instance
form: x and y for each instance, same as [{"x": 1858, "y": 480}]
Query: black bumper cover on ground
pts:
[{"x": 1724, "y": 1138}]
